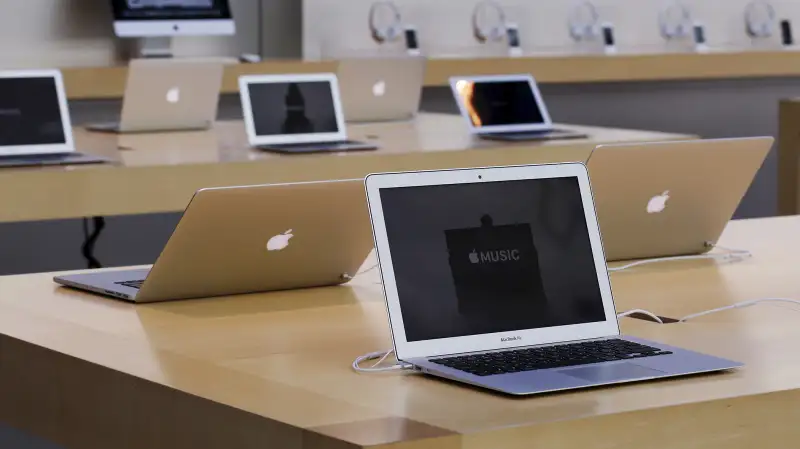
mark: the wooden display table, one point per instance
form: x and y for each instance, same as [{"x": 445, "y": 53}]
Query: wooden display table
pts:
[
  {"x": 273, "y": 370},
  {"x": 109, "y": 82},
  {"x": 160, "y": 172}
]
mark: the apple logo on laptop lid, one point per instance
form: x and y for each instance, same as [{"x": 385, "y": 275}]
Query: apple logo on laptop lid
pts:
[
  {"x": 379, "y": 88},
  {"x": 280, "y": 241},
  {"x": 173, "y": 95},
  {"x": 658, "y": 203}
]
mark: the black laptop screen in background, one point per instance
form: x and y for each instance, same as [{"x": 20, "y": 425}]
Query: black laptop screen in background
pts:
[
  {"x": 472, "y": 259},
  {"x": 293, "y": 108},
  {"x": 170, "y": 9},
  {"x": 500, "y": 103},
  {"x": 30, "y": 112}
]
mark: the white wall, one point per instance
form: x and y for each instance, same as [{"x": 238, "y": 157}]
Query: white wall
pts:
[
  {"x": 67, "y": 33},
  {"x": 445, "y": 26}
]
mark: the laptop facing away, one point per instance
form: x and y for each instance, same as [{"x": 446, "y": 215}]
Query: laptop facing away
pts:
[
  {"x": 381, "y": 89},
  {"x": 671, "y": 198},
  {"x": 506, "y": 107},
  {"x": 295, "y": 114},
  {"x": 496, "y": 277},
  {"x": 35, "y": 125},
  {"x": 251, "y": 239},
  {"x": 168, "y": 95}
]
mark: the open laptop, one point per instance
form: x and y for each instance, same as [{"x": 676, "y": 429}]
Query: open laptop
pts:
[
  {"x": 35, "y": 125},
  {"x": 168, "y": 95},
  {"x": 671, "y": 198},
  {"x": 295, "y": 114},
  {"x": 381, "y": 89},
  {"x": 236, "y": 240},
  {"x": 506, "y": 107},
  {"x": 496, "y": 277}
]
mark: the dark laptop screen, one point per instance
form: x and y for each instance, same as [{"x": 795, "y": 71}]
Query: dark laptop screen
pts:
[
  {"x": 171, "y": 9},
  {"x": 499, "y": 103},
  {"x": 29, "y": 112},
  {"x": 293, "y": 108},
  {"x": 479, "y": 258}
]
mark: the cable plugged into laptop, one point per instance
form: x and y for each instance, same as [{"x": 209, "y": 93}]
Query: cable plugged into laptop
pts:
[{"x": 729, "y": 256}]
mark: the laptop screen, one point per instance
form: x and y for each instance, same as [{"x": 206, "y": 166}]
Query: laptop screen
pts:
[
  {"x": 170, "y": 9},
  {"x": 30, "y": 112},
  {"x": 287, "y": 108},
  {"x": 494, "y": 103},
  {"x": 472, "y": 259}
]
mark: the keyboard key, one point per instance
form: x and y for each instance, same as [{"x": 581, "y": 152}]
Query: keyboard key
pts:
[{"x": 559, "y": 356}]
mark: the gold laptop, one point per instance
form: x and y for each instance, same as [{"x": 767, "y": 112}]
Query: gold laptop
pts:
[
  {"x": 236, "y": 240},
  {"x": 670, "y": 198},
  {"x": 168, "y": 95}
]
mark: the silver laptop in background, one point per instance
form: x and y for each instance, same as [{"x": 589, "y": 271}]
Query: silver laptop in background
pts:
[
  {"x": 230, "y": 240},
  {"x": 496, "y": 277},
  {"x": 168, "y": 95},
  {"x": 381, "y": 88},
  {"x": 35, "y": 125}
]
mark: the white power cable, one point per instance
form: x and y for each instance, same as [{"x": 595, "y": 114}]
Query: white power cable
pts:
[
  {"x": 381, "y": 356},
  {"x": 643, "y": 312},
  {"x": 738, "y": 305},
  {"x": 731, "y": 255}
]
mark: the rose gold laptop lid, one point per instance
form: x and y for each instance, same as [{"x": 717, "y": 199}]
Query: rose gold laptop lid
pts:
[
  {"x": 260, "y": 238},
  {"x": 670, "y": 198}
]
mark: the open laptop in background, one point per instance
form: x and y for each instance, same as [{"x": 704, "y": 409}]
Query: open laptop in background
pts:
[
  {"x": 496, "y": 277},
  {"x": 381, "y": 88},
  {"x": 671, "y": 198},
  {"x": 295, "y": 114},
  {"x": 35, "y": 125},
  {"x": 235, "y": 240},
  {"x": 168, "y": 95},
  {"x": 506, "y": 107}
]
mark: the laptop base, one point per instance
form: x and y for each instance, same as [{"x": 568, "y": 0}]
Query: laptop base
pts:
[
  {"x": 522, "y": 136},
  {"x": 115, "y": 128},
  {"x": 319, "y": 147},
  {"x": 43, "y": 160},
  {"x": 671, "y": 362}
]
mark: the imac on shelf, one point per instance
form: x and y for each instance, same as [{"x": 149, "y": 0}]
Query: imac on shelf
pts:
[{"x": 156, "y": 22}]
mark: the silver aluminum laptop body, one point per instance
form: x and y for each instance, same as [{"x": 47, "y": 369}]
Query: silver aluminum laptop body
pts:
[
  {"x": 230, "y": 241},
  {"x": 446, "y": 276},
  {"x": 381, "y": 89},
  {"x": 168, "y": 95}
]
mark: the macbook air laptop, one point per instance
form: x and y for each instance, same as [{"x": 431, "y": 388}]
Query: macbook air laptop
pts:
[
  {"x": 236, "y": 240},
  {"x": 506, "y": 107},
  {"x": 35, "y": 126},
  {"x": 381, "y": 89},
  {"x": 295, "y": 114},
  {"x": 671, "y": 198},
  {"x": 496, "y": 277},
  {"x": 168, "y": 95}
]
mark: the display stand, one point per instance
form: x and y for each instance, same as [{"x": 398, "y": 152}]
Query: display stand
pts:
[{"x": 151, "y": 47}]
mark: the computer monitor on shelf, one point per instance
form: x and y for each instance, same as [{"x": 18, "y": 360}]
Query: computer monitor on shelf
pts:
[{"x": 155, "y": 22}]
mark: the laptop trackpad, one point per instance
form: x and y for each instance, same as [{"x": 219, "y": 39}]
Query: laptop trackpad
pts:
[{"x": 611, "y": 372}]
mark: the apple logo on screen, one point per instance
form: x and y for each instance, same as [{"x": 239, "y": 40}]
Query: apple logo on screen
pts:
[
  {"x": 473, "y": 257},
  {"x": 658, "y": 203},
  {"x": 173, "y": 95},
  {"x": 279, "y": 241},
  {"x": 379, "y": 88}
]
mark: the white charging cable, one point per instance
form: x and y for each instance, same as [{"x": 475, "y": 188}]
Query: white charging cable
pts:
[
  {"x": 730, "y": 255},
  {"x": 652, "y": 315},
  {"x": 738, "y": 305},
  {"x": 381, "y": 356}
]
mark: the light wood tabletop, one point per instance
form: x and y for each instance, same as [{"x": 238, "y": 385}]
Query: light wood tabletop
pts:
[
  {"x": 274, "y": 369},
  {"x": 109, "y": 82},
  {"x": 160, "y": 172}
]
